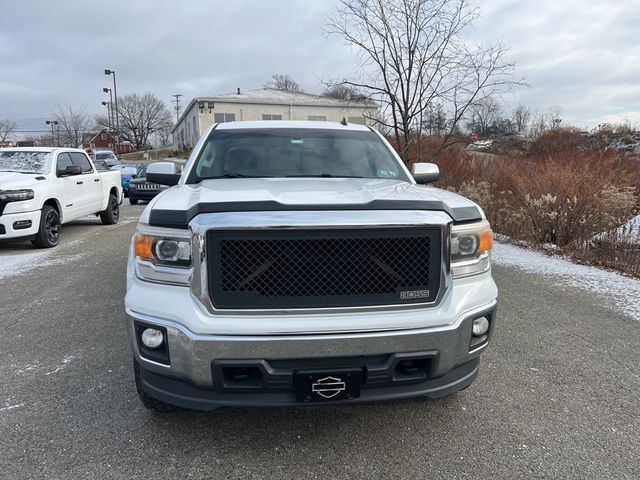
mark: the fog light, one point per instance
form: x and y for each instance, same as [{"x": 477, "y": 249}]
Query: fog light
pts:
[
  {"x": 480, "y": 326},
  {"x": 152, "y": 338},
  {"x": 21, "y": 224}
]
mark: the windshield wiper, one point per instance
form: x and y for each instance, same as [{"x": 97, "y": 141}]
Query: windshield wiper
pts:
[
  {"x": 233, "y": 175},
  {"x": 325, "y": 175},
  {"x": 18, "y": 171}
]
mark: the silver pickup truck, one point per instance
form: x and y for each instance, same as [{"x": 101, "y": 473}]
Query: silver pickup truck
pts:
[{"x": 301, "y": 262}]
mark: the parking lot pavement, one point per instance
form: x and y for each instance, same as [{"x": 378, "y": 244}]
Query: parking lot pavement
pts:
[{"x": 557, "y": 396}]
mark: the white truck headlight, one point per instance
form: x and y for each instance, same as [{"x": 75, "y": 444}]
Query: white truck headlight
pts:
[
  {"x": 471, "y": 246},
  {"x": 15, "y": 195},
  {"x": 163, "y": 257}
]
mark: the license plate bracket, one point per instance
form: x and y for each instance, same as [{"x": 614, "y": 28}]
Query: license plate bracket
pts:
[{"x": 328, "y": 385}]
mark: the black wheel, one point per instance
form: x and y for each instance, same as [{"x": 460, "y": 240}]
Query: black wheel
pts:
[
  {"x": 147, "y": 400},
  {"x": 112, "y": 213},
  {"x": 50, "y": 228},
  {"x": 133, "y": 201}
]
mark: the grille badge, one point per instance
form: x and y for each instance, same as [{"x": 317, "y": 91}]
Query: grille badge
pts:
[{"x": 414, "y": 294}]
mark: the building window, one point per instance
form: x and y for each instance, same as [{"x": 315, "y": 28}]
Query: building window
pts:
[
  {"x": 103, "y": 136},
  {"x": 358, "y": 120},
  {"x": 224, "y": 117},
  {"x": 269, "y": 116},
  {"x": 317, "y": 118}
]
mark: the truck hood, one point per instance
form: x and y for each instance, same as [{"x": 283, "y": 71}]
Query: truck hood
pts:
[
  {"x": 15, "y": 181},
  {"x": 178, "y": 205}
]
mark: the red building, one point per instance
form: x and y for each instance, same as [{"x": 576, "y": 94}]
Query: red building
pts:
[{"x": 103, "y": 140}]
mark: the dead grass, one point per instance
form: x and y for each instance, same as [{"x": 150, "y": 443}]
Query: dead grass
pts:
[{"x": 563, "y": 192}]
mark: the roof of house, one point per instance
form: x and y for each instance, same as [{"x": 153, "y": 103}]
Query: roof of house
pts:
[
  {"x": 272, "y": 96},
  {"x": 88, "y": 137},
  {"x": 300, "y": 124}
]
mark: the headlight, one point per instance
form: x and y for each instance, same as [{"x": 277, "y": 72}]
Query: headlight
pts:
[
  {"x": 163, "y": 257},
  {"x": 15, "y": 195},
  {"x": 471, "y": 246}
]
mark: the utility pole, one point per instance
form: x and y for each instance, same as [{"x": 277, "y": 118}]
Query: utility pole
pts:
[{"x": 177, "y": 107}]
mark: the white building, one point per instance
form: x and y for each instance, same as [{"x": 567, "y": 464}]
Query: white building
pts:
[{"x": 265, "y": 104}]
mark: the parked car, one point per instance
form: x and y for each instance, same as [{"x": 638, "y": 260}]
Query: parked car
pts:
[
  {"x": 43, "y": 188},
  {"x": 128, "y": 172},
  {"x": 292, "y": 263},
  {"x": 142, "y": 190},
  {"x": 106, "y": 156}
]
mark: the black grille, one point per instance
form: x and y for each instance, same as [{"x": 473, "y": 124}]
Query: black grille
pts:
[{"x": 319, "y": 268}]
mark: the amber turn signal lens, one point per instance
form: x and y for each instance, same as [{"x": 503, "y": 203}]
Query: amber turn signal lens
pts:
[
  {"x": 143, "y": 246},
  {"x": 486, "y": 241}
]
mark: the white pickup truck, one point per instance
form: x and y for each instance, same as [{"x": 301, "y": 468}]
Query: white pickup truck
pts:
[
  {"x": 42, "y": 188},
  {"x": 299, "y": 262}
]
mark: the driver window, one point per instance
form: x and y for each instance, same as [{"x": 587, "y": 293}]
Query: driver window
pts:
[{"x": 64, "y": 161}]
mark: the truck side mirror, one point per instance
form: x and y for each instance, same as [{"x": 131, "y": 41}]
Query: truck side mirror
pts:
[
  {"x": 71, "y": 170},
  {"x": 164, "y": 173},
  {"x": 425, "y": 172}
]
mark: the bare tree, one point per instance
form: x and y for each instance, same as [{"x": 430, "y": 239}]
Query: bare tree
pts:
[
  {"x": 72, "y": 125},
  {"x": 344, "y": 92},
  {"x": 412, "y": 54},
  {"x": 7, "y": 128},
  {"x": 521, "y": 117},
  {"x": 555, "y": 114},
  {"x": 283, "y": 82},
  {"x": 101, "y": 122},
  {"x": 435, "y": 120},
  {"x": 539, "y": 124},
  {"x": 140, "y": 116},
  {"x": 163, "y": 133},
  {"x": 485, "y": 113}
]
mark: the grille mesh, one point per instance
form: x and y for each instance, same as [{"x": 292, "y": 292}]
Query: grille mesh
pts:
[{"x": 312, "y": 271}]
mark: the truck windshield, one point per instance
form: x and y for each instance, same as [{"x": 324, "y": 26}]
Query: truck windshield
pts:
[
  {"x": 302, "y": 152},
  {"x": 24, "y": 162}
]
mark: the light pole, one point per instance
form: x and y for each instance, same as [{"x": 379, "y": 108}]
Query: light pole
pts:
[
  {"x": 115, "y": 94},
  {"x": 108, "y": 105},
  {"x": 52, "y": 123},
  {"x": 110, "y": 92}
]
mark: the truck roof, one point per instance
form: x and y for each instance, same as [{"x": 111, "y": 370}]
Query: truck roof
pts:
[
  {"x": 262, "y": 124},
  {"x": 40, "y": 149}
]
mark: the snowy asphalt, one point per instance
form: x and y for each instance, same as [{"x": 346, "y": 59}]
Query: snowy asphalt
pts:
[{"x": 557, "y": 396}]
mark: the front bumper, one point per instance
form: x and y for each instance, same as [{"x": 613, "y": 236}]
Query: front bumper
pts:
[
  {"x": 8, "y": 222},
  {"x": 142, "y": 194},
  {"x": 192, "y": 378}
]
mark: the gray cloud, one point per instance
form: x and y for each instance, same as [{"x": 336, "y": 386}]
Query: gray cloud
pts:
[{"x": 580, "y": 55}]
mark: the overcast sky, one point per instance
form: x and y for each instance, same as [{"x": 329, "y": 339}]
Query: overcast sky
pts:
[{"x": 583, "y": 56}]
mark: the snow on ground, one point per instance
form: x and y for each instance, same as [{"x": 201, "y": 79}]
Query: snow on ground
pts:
[
  {"x": 628, "y": 232},
  {"x": 623, "y": 292},
  {"x": 25, "y": 262}
]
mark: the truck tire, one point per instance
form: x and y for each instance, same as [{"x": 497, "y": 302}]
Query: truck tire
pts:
[
  {"x": 133, "y": 201},
  {"x": 112, "y": 213},
  {"x": 147, "y": 400},
  {"x": 49, "y": 231}
]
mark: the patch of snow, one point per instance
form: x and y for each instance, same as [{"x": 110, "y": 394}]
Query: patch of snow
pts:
[
  {"x": 60, "y": 367},
  {"x": 480, "y": 144},
  {"x": 35, "y": 369},
  {"x": 10, "y": 407},
  {"x": 622, "y": 292},
  {"x": 628, "y": 232},
  {"x": 22, "y": 263}
]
